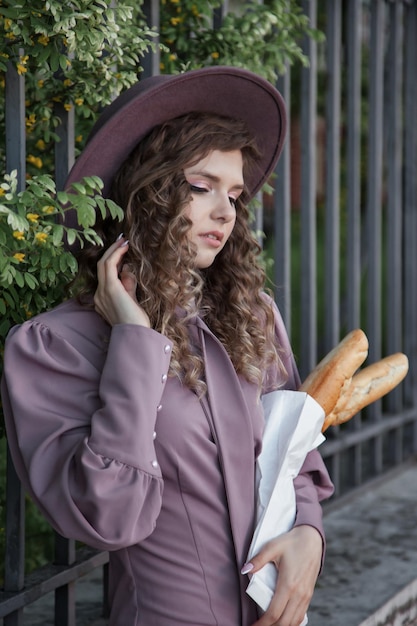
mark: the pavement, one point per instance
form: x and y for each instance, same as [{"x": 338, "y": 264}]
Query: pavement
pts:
[{"x": 370, "y": 571}]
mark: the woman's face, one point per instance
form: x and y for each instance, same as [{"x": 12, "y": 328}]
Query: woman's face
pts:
[{"x": 216, "y": 182}]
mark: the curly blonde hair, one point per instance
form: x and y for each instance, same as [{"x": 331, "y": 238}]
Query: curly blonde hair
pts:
[{"x": 151, "y": 188}]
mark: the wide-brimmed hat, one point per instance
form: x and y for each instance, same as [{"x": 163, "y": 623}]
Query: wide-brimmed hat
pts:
[{"x": 227, "y": 91}]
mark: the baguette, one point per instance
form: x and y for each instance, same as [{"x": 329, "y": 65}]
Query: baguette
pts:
[
  {"x": 367, "y": 386},
  {"x": 328, "y": 382}
]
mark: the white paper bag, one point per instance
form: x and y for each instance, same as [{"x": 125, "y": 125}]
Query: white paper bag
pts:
[{"x": 293, "y": 423}]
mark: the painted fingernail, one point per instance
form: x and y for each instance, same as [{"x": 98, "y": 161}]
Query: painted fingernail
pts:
[
  {"x": 125, "y": 243},
  {"x": 119, "y": 237},
  {"x": 248, "y": 567}
]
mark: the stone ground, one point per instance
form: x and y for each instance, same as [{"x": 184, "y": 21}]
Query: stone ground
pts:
[
  {"x": 371, "y": 557},
  {"x": 370, "y": 573}
]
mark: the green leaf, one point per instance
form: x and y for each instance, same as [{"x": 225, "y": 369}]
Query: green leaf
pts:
[
  {"x": 4, "y": 327},
  {"x": 79, "y": 187},
  {"x": 20, "y": 281},
  {"x": 31, "y": 281},
  {"x": 57, "y": 235},
  {"x": 17, "y": 222},
  {"x": 71, "y": 236},
  {"x": 9, "y": 299},
  {"x": 86, "y": 215}
]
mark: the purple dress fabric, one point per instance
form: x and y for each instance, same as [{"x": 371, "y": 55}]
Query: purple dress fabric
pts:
[{"x": 121, "y": 457}]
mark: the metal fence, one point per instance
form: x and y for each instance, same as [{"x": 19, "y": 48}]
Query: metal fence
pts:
[{"x": 342, "y": 227}]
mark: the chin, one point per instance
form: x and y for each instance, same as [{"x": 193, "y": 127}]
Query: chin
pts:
[{"x": 203, "y": 264}]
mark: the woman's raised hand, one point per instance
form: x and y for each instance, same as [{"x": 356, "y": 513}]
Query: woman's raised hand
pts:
[{"x": 115, "y": 297}]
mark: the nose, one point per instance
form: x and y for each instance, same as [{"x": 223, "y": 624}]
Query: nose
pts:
[{"x": 224, "y": 210}]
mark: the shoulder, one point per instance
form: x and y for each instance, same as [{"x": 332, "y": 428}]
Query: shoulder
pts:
[{"x": 70, "y": 322}]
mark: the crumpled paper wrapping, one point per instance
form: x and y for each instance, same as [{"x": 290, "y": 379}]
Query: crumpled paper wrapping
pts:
[{"x": 293, "y": 423}]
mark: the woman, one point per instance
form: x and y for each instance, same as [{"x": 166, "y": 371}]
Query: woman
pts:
[{"x": 133, "y": 411}]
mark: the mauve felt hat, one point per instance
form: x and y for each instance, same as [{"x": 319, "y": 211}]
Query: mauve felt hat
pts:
[{"x": 228, "y": 91}]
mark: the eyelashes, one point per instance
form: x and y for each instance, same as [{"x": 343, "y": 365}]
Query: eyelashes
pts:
[{"x": 197, "y": 189}]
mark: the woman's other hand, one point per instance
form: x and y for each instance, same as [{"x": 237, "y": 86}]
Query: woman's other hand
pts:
[
  {"x": 115, "y": 297},
  {"x": 297, "y": 555}
]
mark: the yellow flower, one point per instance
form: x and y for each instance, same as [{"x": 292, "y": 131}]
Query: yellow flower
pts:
[
  {"x": 19, "y": 235},
  {"x": 10, "y": 36},
  {"x": 79, "y": 138},
  {"x": 41, "y": 237},
  {"x": 48, "y": 209},
  {"x": 195, "y": 11},
  {"x": 40, "y": 83},
  {"x": 2, "y": 191},
  {"x": 79, "y": 101},
  {"x": 21, "y": 67},
  {"x": 40, "y": 144},
  {"x": 36, "y": 161},
  {"x": 67, "y": 82},
  {"x": 19, "y": 256},
  {"x": 172, "y": 57},
  {"x": 32, "y": 217},
  {"x": 215, "y": 55},
  {"x": 7, "y": 23},
  {"x": 176, "y": 20},
  {"x": 43, "y": 39},
  {"x": 174, "y": 1},
  {"x": 30, "y": 121},
  {"x": 67, "y": 106},
  {"x": 162, "y": 66}
]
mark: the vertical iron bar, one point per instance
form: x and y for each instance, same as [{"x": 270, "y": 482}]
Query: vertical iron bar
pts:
[
  {"x": 15, "y": 124},
  {"x": 64, "y": 148},
  {"x": 219, "y": 13},
  {"x": 65, "y": 596},
  {"x": 410, "y": 208},
  {"x": 374, "y": 204},
  {"x": 352, "y": 236},
  {"x": 308, "y": 356},
  {"x": 332, "y": 239},
  {"x": 15, "y": 507},
  {"x": 282, "y": 217},
  {"x": 151, "y": 59},
  {"x": 374, "y": 207},
  {"x": 393, "y": 299},
  {"x": 14, "y": 561},
  {"x": 353, "y": 179}
]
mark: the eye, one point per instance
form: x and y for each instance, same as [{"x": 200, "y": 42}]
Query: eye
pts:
[
  {"x": 233, "y": 201},
  {"x": 196, "y": 189}
]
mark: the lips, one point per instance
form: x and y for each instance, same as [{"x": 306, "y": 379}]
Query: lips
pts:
[
  {"x": 213, "y": 238},
  {"x": 213, "y": 235}
]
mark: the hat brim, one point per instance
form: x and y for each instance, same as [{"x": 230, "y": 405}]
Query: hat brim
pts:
[{"x": 228, "y": 91}]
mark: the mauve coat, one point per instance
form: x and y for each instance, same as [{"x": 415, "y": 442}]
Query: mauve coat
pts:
[{"x": 121, "y": 457}]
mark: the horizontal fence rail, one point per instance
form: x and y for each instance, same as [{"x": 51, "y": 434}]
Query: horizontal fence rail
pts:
[{"x": 341, "y": 226}]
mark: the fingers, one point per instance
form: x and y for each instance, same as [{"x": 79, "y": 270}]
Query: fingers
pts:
[
  {"x": 128, "y": 280},
  {"x": 109, "y": 265},
  {"x": 115, "y": 297},
  {"x": 297, "y": 556}
]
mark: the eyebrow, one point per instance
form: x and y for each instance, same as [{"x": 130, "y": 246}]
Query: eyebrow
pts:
[{"x": 215, "y": 178}]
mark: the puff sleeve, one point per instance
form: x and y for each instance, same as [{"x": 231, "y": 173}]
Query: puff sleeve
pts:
[{"x": 81, "y": 435}]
